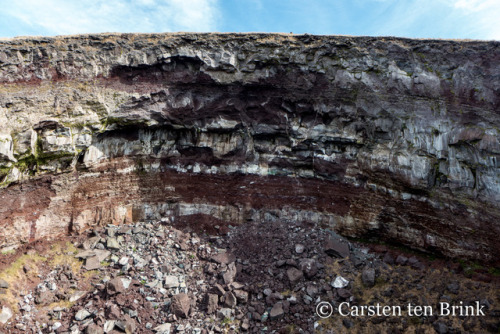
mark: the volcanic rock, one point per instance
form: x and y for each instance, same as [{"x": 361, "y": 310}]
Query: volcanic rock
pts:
[
  {"x": 277, "y": 311},
  {"x": 401, "y": 259},
  {"x": 294, "y": 275},
  {"x": 318, "y": 136},
  {"x": 230, "y": 299},
  {"x": 340, "y": 282},
  {"x": 171, "y": 282},
  {"x": 223, "y": 258},
  {"x": 163, "y": 329},
  {"x": 241, "y": 296},
  {"x": 212, "y": 302},
  {"x": 368, "y": 277},
  {"x": 309, "y": 267},
  {"x": 230, "y": 274},
  {"x": 4, "y": 284},
  {"x": 336, "y": 247},
  {"x": 115, "y": 286},
  {"x": 5, "y": 315},
  {"x": 94, "y": 329},
  {"x": 82, "y": 315},
  {"x": 181, "y": 304}
]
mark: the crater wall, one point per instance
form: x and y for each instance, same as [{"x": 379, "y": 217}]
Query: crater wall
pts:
[{"x": 387, "y": 138}]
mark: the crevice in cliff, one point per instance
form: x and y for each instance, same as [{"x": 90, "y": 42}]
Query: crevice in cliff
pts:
[{"x": 371, "y": 136}]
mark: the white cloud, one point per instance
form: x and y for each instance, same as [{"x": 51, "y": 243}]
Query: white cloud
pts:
[
  {"x": 90, "y": 16},
  {"x": 482, "y": 16},
  {"x": 473, "y": 5},
  {"x": 476, "y": 19}
]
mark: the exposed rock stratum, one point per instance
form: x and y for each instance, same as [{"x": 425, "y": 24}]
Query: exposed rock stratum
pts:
[{"x": 386, "y": 137}]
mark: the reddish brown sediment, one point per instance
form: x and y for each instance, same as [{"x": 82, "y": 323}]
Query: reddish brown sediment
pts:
[{"x": 394, "y": 139}]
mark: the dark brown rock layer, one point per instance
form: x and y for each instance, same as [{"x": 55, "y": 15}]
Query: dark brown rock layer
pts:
[{"x": 390, "y": 138}]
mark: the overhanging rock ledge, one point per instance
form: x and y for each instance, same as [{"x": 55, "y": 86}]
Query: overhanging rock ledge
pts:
[{"x": 387, "y": 137}]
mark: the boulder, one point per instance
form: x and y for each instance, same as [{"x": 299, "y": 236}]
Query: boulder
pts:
[
  {"x": 5, "y": 315},
  {"x": 4, "y": 284},
  {"x": 388, "y": 258},
  {"x": 127, "y": 325},
  {"x": 92, "y": 263},
  {"x": 109, "y": 325},
  {"x": 45, "y": 297},
  {"x": 82, "y": 315},
  {"x": 344, "y": 293},
  {"x": 212, "y": 302},
  {"x": 94, "y": 329},
  {"x": 277, "y": 311},
  {"x": 171, "y": 282},
  {"x": 309, "y": 267},
  {"x": 224, "y": 313},
  {"x": 230, "y": 274},
  {"x": 401, "y": 260},
  {"x": 241, "y": 296},
  {"x": 340, "y": 282},
  {"x": 181, "y": 304},
  {"x": 299, "y": 248},
  {"x": 336, "y": 247},
  {"x": 294, "y": 275},
  {"x": 115, "y": 286},
  {"x": 223, "y": 258},
  {"x": 230, "y": 299},
  {"x": 368, "y": 277},
  {"x": 163, "y": 329},
  {"x": 112, "y": 243}
]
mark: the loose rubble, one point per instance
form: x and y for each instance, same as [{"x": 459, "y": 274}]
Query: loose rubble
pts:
[{"x": 158, "y": 277}]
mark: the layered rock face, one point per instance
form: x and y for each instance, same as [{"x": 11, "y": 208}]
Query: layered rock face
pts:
[{"x": 390, "y": 138}]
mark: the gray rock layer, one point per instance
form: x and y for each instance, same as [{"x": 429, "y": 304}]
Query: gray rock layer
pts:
[{"x": 385, "y": 137}]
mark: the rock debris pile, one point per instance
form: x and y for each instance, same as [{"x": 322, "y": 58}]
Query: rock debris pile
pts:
[
  {"x": 259, "y": 277},
  {"x": 383, "y": 136}
]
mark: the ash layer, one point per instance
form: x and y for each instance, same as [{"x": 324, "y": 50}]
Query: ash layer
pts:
[{"x": 390, "y": 138}]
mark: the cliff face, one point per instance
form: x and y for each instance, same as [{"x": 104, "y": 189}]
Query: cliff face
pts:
[{"x": 385, "y": 137}]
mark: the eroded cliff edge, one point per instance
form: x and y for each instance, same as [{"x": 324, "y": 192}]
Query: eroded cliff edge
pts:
[{"x": 386, "y": 137}]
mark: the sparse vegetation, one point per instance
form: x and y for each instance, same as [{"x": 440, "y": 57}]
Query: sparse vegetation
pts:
[
  {"x": 18, "y": 278},
  {"x": 63, "y": 255},
  {"x": 61, "y": 304},
  {"x": 9, "y": 251}
]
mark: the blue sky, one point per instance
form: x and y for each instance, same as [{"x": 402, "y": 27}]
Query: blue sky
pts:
[{"x": 473, "y": 19}]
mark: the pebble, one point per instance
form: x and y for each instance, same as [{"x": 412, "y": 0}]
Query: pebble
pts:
[
  {"x": 171, "y": 282},
  {"x": 299, "y": 248},
  {"x": 109, "y": 325},
  {"x": 112, "y": 243},
  {"x": 368, "y": 277},
  {"x": 4, "y": 284},
  {"x": 82, "y": 315},
  {"x": 340, "y": 282},
  {"x": 5, "y": 315},
  {"x": 276, "y": 311},
  {"x": 163, "y": 329}
]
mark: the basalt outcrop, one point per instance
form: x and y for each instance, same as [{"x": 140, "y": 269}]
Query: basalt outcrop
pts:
[{"x": 391, "y": 138}]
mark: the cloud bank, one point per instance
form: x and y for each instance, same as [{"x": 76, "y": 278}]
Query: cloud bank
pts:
[
  {"x": 60, "y": 17},
  {"x": 474, "y": 19},
  {"x": 483, "y": 16}
]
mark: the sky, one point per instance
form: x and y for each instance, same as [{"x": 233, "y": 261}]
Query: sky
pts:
[{"x": 458, "y": 19}]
